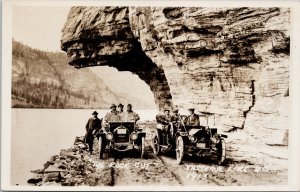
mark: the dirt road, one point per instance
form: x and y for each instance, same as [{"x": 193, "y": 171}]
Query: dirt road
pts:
[
  {"x": 126, "y": 170},
  {"x": 75, "y": 166}
]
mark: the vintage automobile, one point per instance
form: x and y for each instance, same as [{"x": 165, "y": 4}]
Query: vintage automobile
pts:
[
  {"x": 121, "y": 136},
  {"x": 190, "y": 140}
]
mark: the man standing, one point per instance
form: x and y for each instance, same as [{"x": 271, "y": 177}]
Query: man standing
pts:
[
  {"x": 130, "y": 115},
  {"x": 92, "y": 126},
  {"x": 192, "y": 119},
  {"x": 165, "y": 119}
]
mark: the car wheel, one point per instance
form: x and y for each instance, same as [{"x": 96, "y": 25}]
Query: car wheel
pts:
[
  {"x": 100, "y": 145},
  {"x": 143, "y": 147},
  {"x": 156, "y": 145},
  {"x": 221, "y": 151},
  {"x": 179, "y": 149}
]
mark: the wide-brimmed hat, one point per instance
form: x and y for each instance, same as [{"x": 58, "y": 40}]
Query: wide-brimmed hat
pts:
[
  {"x": 166, "y": 110},
  {"x": 129, "y": 105},
  {"x": 113, "y": 105},
  {"x": 191, "y": 109},
  {"x": 120, "y": 105},
  {"x": 95, "y": 113}
]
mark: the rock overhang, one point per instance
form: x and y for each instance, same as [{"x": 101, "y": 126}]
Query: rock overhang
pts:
[{"x": 210, "y": 58}]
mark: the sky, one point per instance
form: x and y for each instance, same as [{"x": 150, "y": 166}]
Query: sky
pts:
[{"x": 40, "y": 27}]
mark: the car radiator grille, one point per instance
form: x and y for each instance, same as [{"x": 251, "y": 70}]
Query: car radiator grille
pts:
[{"x": 121, "y": 138}]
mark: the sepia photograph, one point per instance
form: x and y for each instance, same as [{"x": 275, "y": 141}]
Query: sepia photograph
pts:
[{"x": 149, "y": 96}]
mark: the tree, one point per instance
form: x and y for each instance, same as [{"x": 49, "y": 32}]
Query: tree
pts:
[
  {"x": 56, "y": 100},
  {"x": 65, "y": 99}
]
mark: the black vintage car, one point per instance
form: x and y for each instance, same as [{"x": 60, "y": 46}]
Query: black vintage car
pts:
[
  {"x": 191, "y": 140},
  {"x": 121, "y": 136}
]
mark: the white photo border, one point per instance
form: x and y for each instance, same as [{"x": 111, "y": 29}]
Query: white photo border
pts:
[{"x": 294, "y": 140}]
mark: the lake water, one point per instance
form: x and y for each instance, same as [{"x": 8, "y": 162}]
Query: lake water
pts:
[{"x": 37, "y": 134}]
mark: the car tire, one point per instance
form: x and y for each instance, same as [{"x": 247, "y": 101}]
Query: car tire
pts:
[
  {"x": 143, "y": 147},
  {"x": 100, "y": 145},
  {"x": 221, "y": 155},
  {"x": 156, "y": 144},
  {"x": 179, "y": 149}
]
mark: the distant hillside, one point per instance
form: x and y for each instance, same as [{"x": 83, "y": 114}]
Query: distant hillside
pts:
[{"x": 45, "y": 80}]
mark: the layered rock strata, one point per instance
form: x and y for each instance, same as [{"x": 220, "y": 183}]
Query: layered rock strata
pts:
[{"x": 231, "y": 64}]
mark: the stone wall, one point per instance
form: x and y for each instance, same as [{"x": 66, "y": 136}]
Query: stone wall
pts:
[{"x": 230, "y": 63}]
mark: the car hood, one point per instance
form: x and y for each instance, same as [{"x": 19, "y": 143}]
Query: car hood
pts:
[{"x": 193, "y": 131}]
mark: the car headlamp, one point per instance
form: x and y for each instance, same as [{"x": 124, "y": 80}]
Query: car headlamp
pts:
[
  {"x": 109, "y": 136},
  {"x": 134, "y": 136},
  {"x": 193, "y": 139}
]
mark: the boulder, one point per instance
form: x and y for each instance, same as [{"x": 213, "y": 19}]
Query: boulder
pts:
[{"x": 35, "y": 180}]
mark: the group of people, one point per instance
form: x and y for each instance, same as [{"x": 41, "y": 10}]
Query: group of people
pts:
[
  {"x": 116, "y": 114},
  {"x": 192, "y": 120}
]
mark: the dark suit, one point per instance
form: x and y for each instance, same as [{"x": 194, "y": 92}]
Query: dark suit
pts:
[
  {"x": 193, "y": 120},
  {"x": 92, "y": 125},
  {"x": 175, "y": 117},
  {"x": 163, "y": 119}
]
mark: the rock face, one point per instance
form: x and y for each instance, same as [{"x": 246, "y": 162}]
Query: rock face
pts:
[{"x": 230, "y": 63}]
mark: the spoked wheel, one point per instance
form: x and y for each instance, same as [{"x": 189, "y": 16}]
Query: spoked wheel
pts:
[
  {"x": 221, "y": 151},
  {"x": 143, "y": 147},
  {"x": 179, "y": 149},
  {"x": 156, "y": 145},
  {"x": 100, "y": 145}
]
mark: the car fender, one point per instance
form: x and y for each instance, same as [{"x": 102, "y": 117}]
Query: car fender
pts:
[
  {"x": 158, "y": 132},
  {"x": 102, "y": 134},
  {"x": 193, "y": 131},
  {"x": 184, "y": 135},
  {"x": 141, "y": 134}
]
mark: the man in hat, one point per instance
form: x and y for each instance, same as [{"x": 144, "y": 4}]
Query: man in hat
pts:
[
  {"x": 120, "y": 111},
  {"x": 130, "y": 115},
  {"x": 175, "y": 116},
  {"x": 112, "y": 116},
  {"x": 192, "y": 119},
  {"x": 165, "y": 120},
  {"x": 92, "y": 126}
]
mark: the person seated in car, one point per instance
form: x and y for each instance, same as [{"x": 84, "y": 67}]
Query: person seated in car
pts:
[
  {"x": 120, "y": 110},
  {"x": 130, "y": 115},
  {"x": 193, "y": 119},
  {"x": 112, "y": 116},
  {"x": 175, "y": 116}
]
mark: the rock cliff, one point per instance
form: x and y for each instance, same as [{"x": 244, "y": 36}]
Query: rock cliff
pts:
[{"x": 229, "y": 63}]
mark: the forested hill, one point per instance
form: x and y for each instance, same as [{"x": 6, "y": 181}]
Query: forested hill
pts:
[{"x": 43, "y": 79}]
